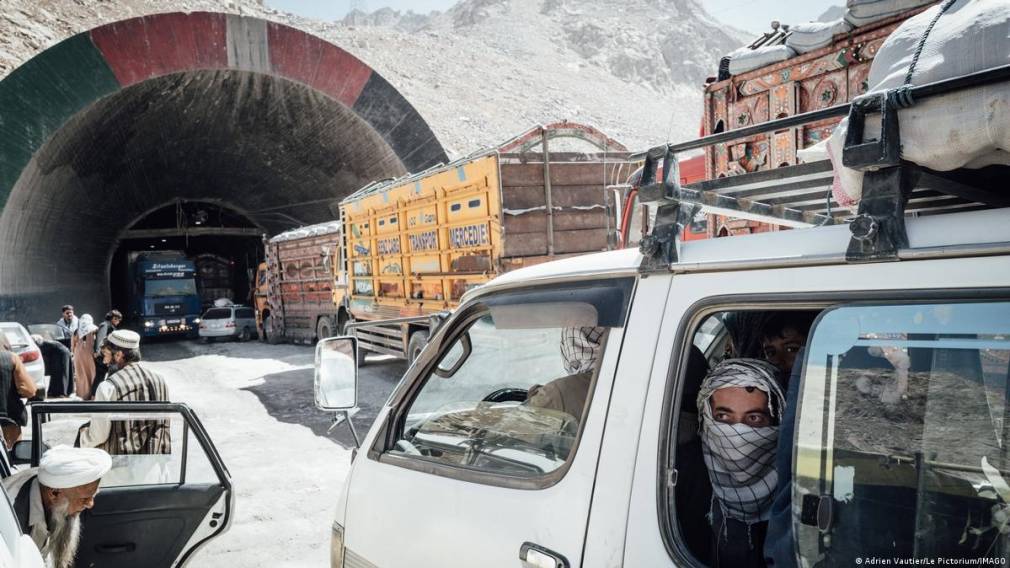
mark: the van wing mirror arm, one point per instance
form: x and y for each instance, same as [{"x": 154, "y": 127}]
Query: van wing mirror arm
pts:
[{"x": 345, "y": 416}]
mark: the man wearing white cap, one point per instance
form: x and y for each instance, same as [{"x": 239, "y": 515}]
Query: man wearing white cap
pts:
[
  {"x": 48, "y": 500},
  {"x": 128, "y": 380}
]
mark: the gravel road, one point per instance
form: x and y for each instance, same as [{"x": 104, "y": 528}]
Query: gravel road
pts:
[{"x": 256, "y": 402}]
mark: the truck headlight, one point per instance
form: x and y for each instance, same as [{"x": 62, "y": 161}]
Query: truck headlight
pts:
[
  {"x": 337, "y": 546},
  {"x": 196, "y": 321},
  {"x": 148, "y": 324}
]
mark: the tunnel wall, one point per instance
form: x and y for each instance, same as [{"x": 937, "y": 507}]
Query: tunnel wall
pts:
[{"x": 49, "y": 92}]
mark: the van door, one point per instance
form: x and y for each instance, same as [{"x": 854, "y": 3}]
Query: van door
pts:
[
  {"x": 489, "y": 452},
  {"x": 902, "y": 435},
  {"x": 153, "y": 509}
]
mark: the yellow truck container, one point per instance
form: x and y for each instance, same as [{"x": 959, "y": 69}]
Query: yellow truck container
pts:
[{"x": 415, "y": 244}]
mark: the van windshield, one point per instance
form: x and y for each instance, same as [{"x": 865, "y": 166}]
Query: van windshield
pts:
[{"x": 510, "y": 394}]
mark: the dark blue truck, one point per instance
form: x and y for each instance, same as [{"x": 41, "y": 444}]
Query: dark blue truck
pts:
[{"x": 164, "y": 299}]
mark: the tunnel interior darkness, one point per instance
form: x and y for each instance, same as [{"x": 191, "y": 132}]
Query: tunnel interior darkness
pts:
[{"x": 274, "y": 153}]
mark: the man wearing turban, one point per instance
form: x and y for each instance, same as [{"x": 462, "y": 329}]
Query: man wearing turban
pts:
[
  {"x": 48, "y": 500},
  {"x": 740, "y": 404}
]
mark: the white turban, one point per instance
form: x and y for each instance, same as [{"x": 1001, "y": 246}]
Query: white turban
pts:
[{"x": 64, "y": 467}]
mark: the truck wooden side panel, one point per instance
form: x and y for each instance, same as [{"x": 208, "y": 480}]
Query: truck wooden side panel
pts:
[
  {"x": 300, "y": 283},
  {"x": 416, "y": 247}
]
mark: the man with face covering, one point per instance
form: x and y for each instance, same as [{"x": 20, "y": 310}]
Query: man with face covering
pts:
[
  {"x": 581, "y": 348},
  {"x": 48, "y": 500},
  {"x": 740, "y": 404}
]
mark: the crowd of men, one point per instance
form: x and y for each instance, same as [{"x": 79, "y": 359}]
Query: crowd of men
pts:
[{"x": 49, "y": 499}]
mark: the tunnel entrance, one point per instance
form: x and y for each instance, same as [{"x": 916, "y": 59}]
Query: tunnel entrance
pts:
[
  {"x": 225, "y": 246},
  {"x": 261, "y": 132}
]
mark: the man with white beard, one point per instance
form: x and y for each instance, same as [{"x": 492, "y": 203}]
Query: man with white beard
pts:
[{"x": 48, "y": 500}]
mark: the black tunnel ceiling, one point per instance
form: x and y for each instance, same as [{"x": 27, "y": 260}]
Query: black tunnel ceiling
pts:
[{"x": 276, "y": 150}]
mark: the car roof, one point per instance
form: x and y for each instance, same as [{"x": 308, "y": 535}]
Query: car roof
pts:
[{"x": 795, "y": 246}]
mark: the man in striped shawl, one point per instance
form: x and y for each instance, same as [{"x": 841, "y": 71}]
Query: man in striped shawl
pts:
[
  {"x": 128, "y": 380},
  {"x": 740, "y": 404}
]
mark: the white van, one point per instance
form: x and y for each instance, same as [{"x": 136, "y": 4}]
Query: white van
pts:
[{"x": 894, "y": 440}]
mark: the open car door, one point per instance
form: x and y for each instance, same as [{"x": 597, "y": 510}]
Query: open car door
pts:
[{"x": 152, "y": 509}]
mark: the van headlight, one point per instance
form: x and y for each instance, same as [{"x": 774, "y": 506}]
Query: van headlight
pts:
[
  {"x": 149, "y": 323},
  {"x": 337, "y": 546},
  {"x": 196, "y": 321}
]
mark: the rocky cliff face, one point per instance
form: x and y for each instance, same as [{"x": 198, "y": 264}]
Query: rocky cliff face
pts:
[{"x": 485, "y": 69}]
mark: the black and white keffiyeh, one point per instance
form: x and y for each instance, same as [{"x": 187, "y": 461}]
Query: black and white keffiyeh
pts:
[
  {"x": 741, "y": 458},
  {"x": 580, "y": 347}
]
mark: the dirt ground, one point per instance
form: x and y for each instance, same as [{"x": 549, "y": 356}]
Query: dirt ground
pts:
[{"x": 256, "y": 402}]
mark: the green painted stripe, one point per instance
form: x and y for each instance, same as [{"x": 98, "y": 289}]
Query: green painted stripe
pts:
[{"x": 38, "y": 97}]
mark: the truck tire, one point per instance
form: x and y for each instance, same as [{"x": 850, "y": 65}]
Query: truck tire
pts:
[
  {"x": 270, "y": 336},
  {"x": 324, "y": 328},
  {"x": 416, "y": 344}
]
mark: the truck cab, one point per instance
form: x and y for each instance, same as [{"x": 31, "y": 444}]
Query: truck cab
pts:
[{"x": 165, "y": 300}]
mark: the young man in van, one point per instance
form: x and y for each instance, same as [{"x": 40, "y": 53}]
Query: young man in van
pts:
[{"x": 741, "y": 405}]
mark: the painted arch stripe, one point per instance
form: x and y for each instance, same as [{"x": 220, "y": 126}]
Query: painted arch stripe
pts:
[
  {"x": 152, "y": 46},
  {"x": 38, "y": 97}
]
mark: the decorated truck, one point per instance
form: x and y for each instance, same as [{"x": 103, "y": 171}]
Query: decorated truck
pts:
[
  {"x": 298, "y": 294},
  {"x": 415, "y": 244}
]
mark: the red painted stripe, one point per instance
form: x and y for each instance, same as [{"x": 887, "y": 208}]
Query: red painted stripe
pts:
[
  {"x": 151, "y": 46},
  {"x": 317, "y": 63}
]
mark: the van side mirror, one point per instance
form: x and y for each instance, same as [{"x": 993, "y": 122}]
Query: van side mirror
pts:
[{"x": 336, "y": 373}]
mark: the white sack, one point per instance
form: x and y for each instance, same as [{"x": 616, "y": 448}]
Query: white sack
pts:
[
  {"x": 862, "y": 12},
  {"x": 745, "y": 59},
  {"x": 809, "y": 36},
  {"x": 964, "y": 129}
]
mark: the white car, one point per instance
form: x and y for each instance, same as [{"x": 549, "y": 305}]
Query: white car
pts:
[{"x": 22, "y": 344}]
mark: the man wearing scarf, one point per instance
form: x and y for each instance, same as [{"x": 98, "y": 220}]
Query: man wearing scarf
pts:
[
  {"x": 48, "y": 500},
  {"x": 740, "y": 404},
  {"x": 581, "y": 348}
]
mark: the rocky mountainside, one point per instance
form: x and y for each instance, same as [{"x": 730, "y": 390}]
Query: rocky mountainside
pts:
[{"x": 485, "y": 69}]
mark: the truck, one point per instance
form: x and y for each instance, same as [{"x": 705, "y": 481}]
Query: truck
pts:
[
  {"x": 299, "y": 292},
  {"x": 215, "y": 277},
  {"x": 164, "y": 300},
  {"x": 416, "y": 244},
  {"x": 405, "y": 250}
]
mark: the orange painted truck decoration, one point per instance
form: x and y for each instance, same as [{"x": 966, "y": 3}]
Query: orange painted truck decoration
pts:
[{"x": 409, "y": 248}]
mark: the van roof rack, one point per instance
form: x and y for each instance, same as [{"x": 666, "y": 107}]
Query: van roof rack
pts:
[{"x": 799, "y": 196}]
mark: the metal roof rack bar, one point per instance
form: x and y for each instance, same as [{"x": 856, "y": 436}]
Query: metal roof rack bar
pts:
[{"x": 889, "y": 183}]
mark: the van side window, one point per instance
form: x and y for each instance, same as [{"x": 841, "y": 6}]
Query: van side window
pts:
[
  {"x": 902, "y": 434},
  {"x": 510, "y": 392}
]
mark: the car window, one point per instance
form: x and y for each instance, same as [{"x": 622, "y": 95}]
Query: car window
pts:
[
  {"x": 245, "y": 313},
  {"x": 179, "y": 459},
  {"x": 903, "y": 433},
  {"x": 217, "y": 314},
  {"x": 15, "y": 336},
  {"x": 509, "y": 394}
]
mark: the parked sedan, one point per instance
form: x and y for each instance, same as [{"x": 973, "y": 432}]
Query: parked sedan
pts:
[
  {"x": 51, "y": 332},
  {"x": 22, "y": 344},
  {"x": 228, "y": 321}
]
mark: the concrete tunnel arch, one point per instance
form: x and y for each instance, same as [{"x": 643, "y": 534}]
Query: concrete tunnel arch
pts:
[{"x": 113, "y": 122}]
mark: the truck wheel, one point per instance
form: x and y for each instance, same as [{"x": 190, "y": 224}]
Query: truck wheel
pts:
[
  {"x": 324, "y": 328},
  {"x": 418, "y": 340},
  {"x": 246, "y": 335}
]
